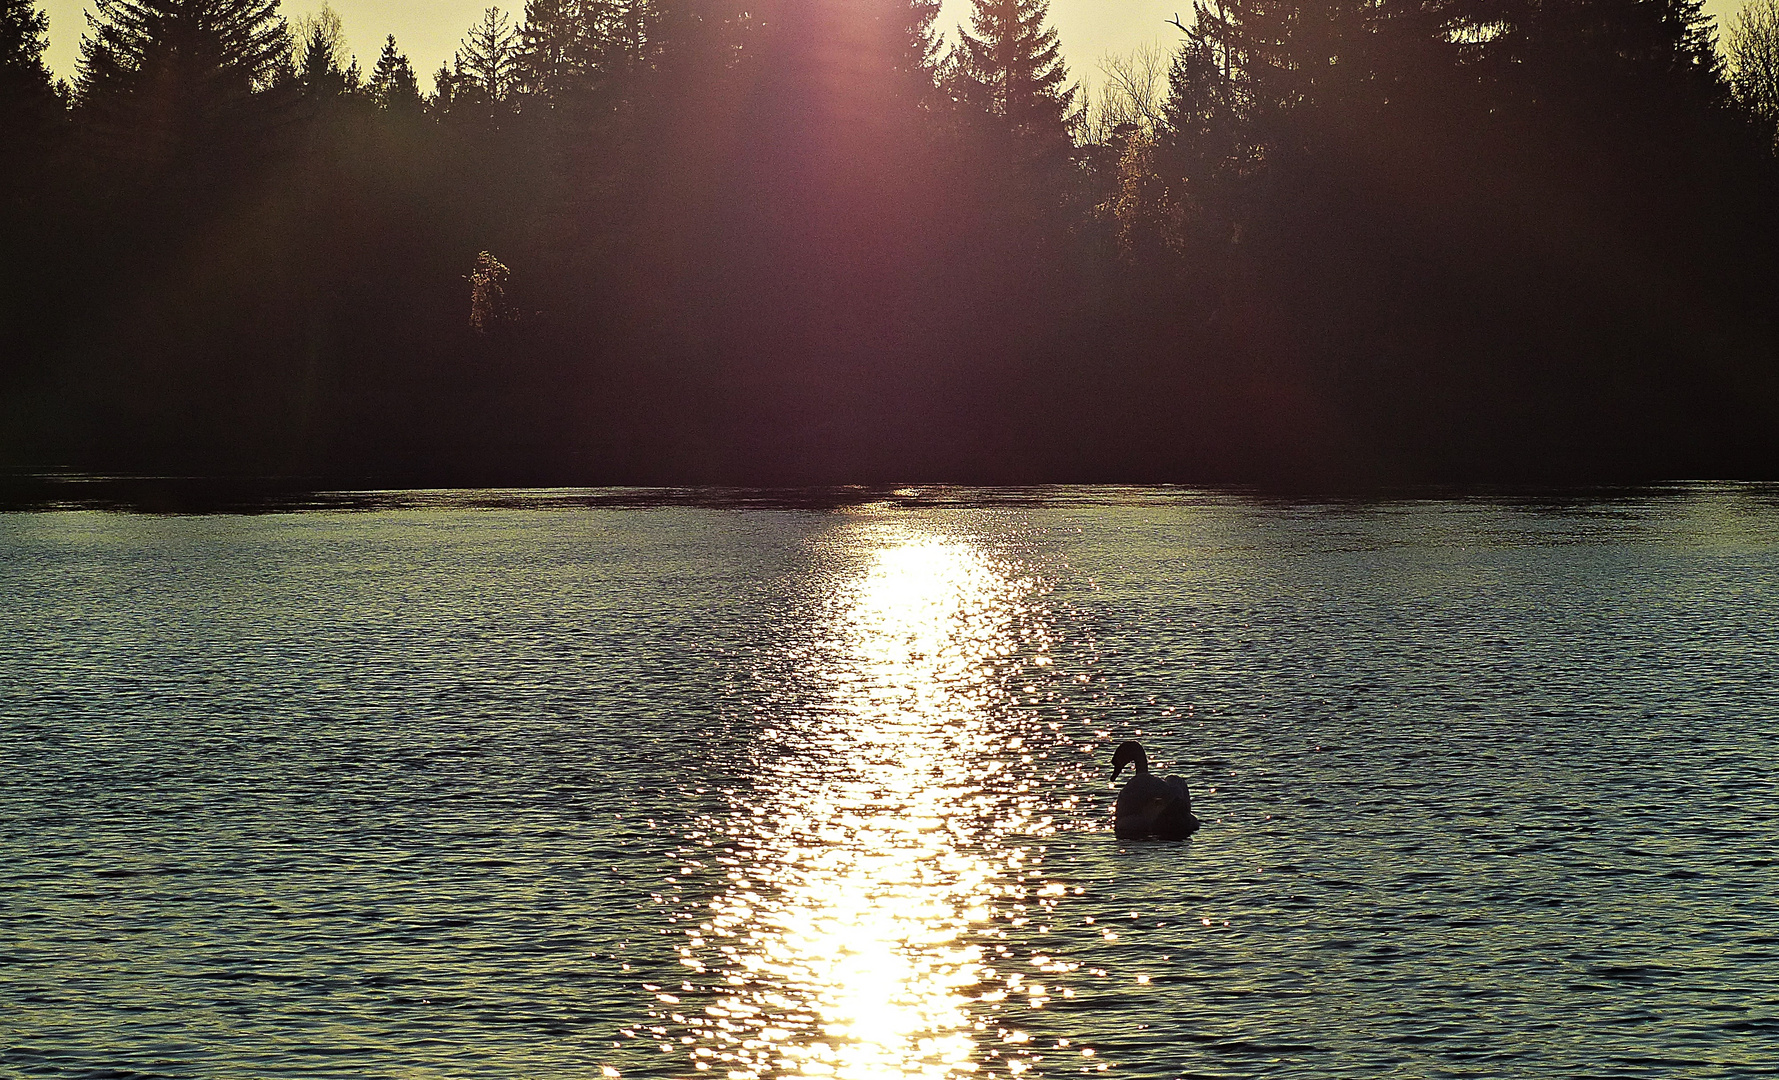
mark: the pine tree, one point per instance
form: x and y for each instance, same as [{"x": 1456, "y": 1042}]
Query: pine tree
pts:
[
  {"x": 489, "y": 57},
  {"x": 160, "y": 78},
  {"x": 394, "y": 86},
  {"x": 1009, "y": 63}
]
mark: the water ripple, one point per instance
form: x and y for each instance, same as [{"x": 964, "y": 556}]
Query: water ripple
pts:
[{"x": 774, "y": 788}]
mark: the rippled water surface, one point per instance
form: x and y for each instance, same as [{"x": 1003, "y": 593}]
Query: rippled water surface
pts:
[{"x": 572, "y": 786}]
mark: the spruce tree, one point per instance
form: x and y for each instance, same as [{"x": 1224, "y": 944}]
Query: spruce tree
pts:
[
  {"x": 28, "y": 98},
  {"x": 1009, "y": 63},
  {"x": 558, "y": 40},
  {"x": 219, "y": 48},
  {"x": 319, "y": 72},
  {"x": 24, "y": 35},
  {"x": 916, "y": 57},
  {"x": 489, "y": 57},
  {"x": 161, "y": 78},
  {"x": 633, "y": 31},
  {"x": 1279, "y": 56},
  {"x": 325, "y": 25},
  {"x": 394, "y": 86},
  {"x": 1207, "y": 133},
  {"x": 1597, "y": 58},
  {"x": 573, "y": 47}
]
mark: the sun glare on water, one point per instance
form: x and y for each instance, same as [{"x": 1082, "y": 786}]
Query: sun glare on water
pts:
[{"x": 850, "y": 939}]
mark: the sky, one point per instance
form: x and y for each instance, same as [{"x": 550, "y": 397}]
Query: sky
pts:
[{"x": 429, "y": 31}]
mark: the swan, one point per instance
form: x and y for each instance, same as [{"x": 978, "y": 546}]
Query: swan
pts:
[{"x": 1150, "y": 805}]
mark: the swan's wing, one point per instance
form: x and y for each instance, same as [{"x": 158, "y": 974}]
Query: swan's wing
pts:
[
  {"x": 1140, "y": 802},
  {"x": 1145, "y": 805},
  {"x": 1176, "y": 821},
  {"x": 1177, "y": 784}
]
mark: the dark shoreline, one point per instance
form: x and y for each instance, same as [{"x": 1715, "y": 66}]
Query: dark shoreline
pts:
[{"x": 200, "y": 495}]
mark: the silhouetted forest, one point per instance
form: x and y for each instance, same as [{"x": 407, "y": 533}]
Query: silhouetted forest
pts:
[{"x": 809, "y": 241}]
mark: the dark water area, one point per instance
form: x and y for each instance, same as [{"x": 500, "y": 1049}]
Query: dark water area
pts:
[{"x": 668, "y": 784}]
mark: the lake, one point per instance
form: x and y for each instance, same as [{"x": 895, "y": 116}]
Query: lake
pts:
[{"x": 582, "y": 784}]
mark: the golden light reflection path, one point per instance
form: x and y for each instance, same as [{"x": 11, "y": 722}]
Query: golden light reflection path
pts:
[{"x": 857, "y": 927}]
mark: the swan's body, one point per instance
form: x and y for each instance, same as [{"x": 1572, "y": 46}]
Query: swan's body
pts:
[{"x": 1150, "y": 805}]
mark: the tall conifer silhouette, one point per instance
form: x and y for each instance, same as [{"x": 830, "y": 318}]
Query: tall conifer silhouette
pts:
[
  {"x": 394, "y": 86},
  {"x": 489, "y": 58},
  {"x": 1009, "y": 62},
  {"x": 558, "y": 42},
  {"x": 917, "y": 46},
  {"x": 162, "y": 78},
  {"x": 27, "y": 94},
  {"x": 319, "y": 72}
]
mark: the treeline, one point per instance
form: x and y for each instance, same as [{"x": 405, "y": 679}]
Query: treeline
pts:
[{"x": 809, "y": 241}]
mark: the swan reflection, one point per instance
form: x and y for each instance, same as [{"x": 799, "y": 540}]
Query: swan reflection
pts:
[{"x": 855, "y": 934}]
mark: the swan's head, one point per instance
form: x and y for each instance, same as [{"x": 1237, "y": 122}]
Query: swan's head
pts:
[{"x": 1126, "y": 754}]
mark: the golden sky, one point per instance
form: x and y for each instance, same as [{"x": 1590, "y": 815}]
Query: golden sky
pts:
[{"x": 428, "y": 31}]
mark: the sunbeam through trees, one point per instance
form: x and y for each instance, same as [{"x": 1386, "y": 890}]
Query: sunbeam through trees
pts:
[{"x": 813, "y": 241}]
